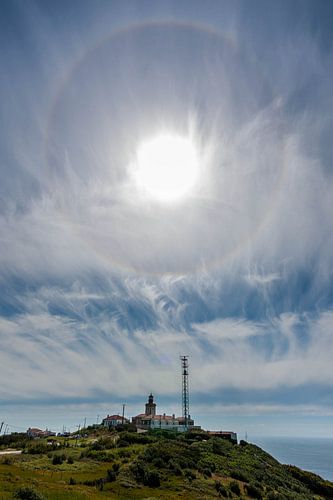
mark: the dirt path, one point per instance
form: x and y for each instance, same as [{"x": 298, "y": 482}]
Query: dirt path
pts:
[{"x": 10, "y": 452}]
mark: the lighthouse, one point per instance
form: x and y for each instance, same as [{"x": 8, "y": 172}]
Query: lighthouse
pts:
[{"x": 150, "y": 406}]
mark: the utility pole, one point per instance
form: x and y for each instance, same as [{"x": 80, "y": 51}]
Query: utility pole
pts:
[
  {"x": 185, "y": 390},
  {"x": 85, "y": 421},
  {"x": 123, "y": 414},
  {"x": 77, "y": 435},
  {"x": 97, "y": 419}
]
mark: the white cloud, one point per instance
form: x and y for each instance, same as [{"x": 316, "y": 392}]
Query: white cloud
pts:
[
  {"x": 262, "y": 279},
  {"x": 56, "y": 356},
  {"x": 264, "y": 198},
  {"x": 228, "y": 328}
]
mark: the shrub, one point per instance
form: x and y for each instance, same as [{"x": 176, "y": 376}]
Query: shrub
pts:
[
  {"x": 253, "y": 491},
  {"x": 134, "y": 438},
  {"x": 218, "y": 446},
  {"x": 197, "y": 435},
  {"x": 206, "y": 463},
  {"x": 100, "y": 456},
  {"x": 126, "y": 428},
  {"x": 207, "y": 472},
  {"x": 152, "y": 479},
  {"x": 314, "y": 482},
  {"x": 27, "y": 493},
  {"x": 110, "y": 476},
  {"x": 221, "y": 490},
  {"x": 70, "y": 460},
  {"x": 272, "y": 495},
  {"x": 89, "y": 482},
  {"x": 190, "y": 475},
  {"x": 104, "y": 443},
  {"x": 162, "y": 433},
  {"x": 234, "y": 487},
  {"x": 177, "y": 471},
  {"x": 186, "y": 456},
  {"x": 144, "y": 474},
  {"x": 239, "y": 475},
  {"x": 99, "y": 483},
  {"x": 14, "y": 440},
  {"x": 57, "y": 460},
  {"x": 158, "y": 462},
  {"x": 37, "y": 448},
  {"x": 138, "y": 470},
  {"x": 124, "y": 453},
  {"x": 96, "y": 446},
  {"x": 116, "y": 467},
  {"x": 72, "y": 481},
  {"x": 122, "y": 443},
  {"x": 175, "y": 467}
]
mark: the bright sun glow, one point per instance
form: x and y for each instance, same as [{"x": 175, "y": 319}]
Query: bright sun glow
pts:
[{"x": 167, "y": 167}]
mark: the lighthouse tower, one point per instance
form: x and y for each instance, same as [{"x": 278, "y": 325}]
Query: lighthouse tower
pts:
[{"x": 150, "y": 406}]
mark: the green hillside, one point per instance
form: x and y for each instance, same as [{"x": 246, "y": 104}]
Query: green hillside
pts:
[{"x": 127, "y": 465}]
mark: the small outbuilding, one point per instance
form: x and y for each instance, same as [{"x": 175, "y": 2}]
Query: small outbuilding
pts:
[
  {"x": 33, "y": 432},
  {"x": 111, "y": 421},
  {"x": 228, "y": 435}
]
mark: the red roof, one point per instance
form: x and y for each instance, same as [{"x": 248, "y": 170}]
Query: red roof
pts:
[{"x": 115, "y": 417}]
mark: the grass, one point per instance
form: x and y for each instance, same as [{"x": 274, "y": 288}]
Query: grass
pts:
[{"x": 159, "y": 466}]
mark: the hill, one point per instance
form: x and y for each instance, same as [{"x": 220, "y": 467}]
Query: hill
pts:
[{"x": 127, "y": 465}]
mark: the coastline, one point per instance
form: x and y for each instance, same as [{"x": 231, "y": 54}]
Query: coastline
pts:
[{"x": 313, "y": 454}]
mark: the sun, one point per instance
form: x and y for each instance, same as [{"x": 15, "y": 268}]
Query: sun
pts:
[{"x": 167, "y": 167}]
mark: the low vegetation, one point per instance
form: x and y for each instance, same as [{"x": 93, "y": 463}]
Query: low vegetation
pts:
[{"x": 126, "y": 465}]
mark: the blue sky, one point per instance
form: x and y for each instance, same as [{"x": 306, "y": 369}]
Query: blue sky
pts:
[{"x": 102, "y": 288}]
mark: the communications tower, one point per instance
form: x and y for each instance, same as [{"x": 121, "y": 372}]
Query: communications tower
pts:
[{"x": 185, "y": 390}]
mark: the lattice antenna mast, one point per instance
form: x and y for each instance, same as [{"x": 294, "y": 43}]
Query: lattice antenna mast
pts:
[{"x": 185, "y": 390}]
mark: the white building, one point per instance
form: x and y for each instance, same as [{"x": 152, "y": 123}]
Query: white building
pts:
[
  {"x": 149, "y": 419},
  {"x": 114, "y": 420}
]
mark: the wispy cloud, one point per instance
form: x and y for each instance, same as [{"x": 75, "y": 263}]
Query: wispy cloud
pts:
[
  {"x": 262, "y": 279},
  {"x": 290, "y": 351}
]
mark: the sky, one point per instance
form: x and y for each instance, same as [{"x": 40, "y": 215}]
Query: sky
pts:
[{"x": 103, "y": 287}]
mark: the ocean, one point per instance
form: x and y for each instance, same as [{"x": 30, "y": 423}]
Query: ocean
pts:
[{"x": 312, "y": 454}]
